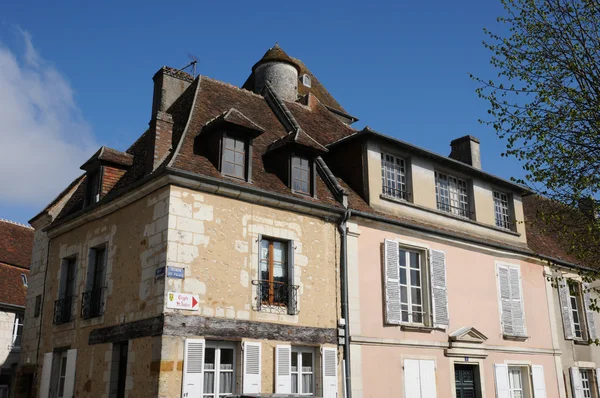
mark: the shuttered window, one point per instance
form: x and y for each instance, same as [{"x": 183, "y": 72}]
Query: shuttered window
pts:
[
  {"x": 511, "y": 301},
  {"x": 252, "y": 368},
  {"x": 419, "y": 378},
  {"x": 329, "y": 367},
  {"x": 578, "y": 317},
  {"x": 515, "y": 381},
  {"x": 219, "y": 370}
]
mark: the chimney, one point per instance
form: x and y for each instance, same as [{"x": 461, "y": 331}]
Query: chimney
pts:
[
  {"x": 466, "y": 149},
  {"x": 169, "y": 84}
]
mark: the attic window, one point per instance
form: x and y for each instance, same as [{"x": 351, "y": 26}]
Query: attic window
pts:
[
  {"x": 306, "y": 80},
  {"x": 301, "y": 181},
  {"x": 234, "y": 160},
  {"x": 24, "y": 279},
  {"x": 92, "y": 189}
]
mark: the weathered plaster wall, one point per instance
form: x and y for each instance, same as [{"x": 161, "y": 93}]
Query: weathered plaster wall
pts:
[{"x": 8, "y": 356}]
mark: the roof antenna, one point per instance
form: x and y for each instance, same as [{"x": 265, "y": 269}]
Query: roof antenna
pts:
[{"x": 193, "y": 63}]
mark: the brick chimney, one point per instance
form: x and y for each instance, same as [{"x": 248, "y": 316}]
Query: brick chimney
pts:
[
  {"x": 466, "y": 149},
  {"x": 169, "y": 84}
]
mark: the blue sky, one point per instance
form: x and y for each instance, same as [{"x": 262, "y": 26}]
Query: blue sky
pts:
[{"x": 81, "y": 73}]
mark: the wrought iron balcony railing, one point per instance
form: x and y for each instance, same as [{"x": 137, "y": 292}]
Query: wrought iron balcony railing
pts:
[
  {"x": 394, "y": 193},
  {"x": 91, "y": 303},
  {"x": 276, "y": 297},
  {"x": 457, "y": 211},
  {"x": 63, "y": 310}
]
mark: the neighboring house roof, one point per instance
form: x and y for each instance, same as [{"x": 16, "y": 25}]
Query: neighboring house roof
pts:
[
  {"x": 16, "y": 243},
  {"x": 12, "y": 289}
]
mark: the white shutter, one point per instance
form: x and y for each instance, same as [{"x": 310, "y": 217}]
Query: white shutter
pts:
[
  {"x": 539, "y": 383},
  {"x": 392, "y": 283},
  {"x": 501, "y": 376},
  {"x": 412, "y": 380},
  {"x": 589, "y": 313},
  {"x": 193, "y": 368},
  {"x": 283, "y": 369},
  {"x": 46, "y": 374},
  {"x": 565, "y": 308},
  {"x": 70, "y": 374},
  {"x": 329, "y": 369},
  {"x": 505, "y": 301},
  {"x": 598, "y": 380},
  {"x": 427, "y": 376},
  {"x": 516, "y": 299},
  {"x": 576, "y": 384},
  {"x": 252, "y": 366},
  {"x": 439, "y": 290}
]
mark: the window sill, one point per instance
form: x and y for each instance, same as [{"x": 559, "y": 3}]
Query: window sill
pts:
[
  {"x": 417, "y": 328},
  {"x": 515, "y": 338},
  {"x": 581, "y": 342}
]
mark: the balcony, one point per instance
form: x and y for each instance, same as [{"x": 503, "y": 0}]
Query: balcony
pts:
[
  {"x": 63, "y": 310},
  {"x": 91, "y": 303},
  {"x": 276, "y": 297},
  {"x": 457, "y": 211},
  {"x": 394, "y": 193}
]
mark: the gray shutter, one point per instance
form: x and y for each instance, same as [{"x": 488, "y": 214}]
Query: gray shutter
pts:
[
  {"x": 589, "y": 313},
  {"x": 392, "y": 283},
  {"x": 439, "y": 290},
  {"x": 293, "y": 294},
  {"x": 516, "y": 299},
  {"x": 505, "y": 302},
  {"x": 565, "y": 308}
]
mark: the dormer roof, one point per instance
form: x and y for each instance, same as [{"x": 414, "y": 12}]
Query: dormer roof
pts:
[
  {"x": 236, "y": 118},
  {"x": 108, "y": 155}
]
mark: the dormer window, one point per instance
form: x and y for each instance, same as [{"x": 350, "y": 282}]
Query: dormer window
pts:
[
  {"x": 306, "y": 81},
  {"x": 92, "y": 193},
  {"x": 502, "y": 210},
  {"x": 234, "y": 160},
  {"x": 301, "y": 181},
  {"x": 452, "y": 195}
]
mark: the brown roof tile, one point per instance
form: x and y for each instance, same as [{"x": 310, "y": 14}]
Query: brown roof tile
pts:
[
  {"x": 16, "y": 243},
  {"x": 12, "y": 290}
]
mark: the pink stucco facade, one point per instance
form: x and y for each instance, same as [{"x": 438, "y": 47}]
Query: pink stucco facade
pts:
[{"x": 379, "y": 350}]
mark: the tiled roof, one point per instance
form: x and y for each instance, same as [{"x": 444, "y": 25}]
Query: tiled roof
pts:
[
  {"x": 276, "y": 54},
  {"x": 16, "y": 243},
  {"x": 109, "y": 155},
  {"x": 12, "y": 290}
]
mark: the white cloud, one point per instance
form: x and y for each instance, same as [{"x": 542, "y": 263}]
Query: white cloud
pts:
[{"x": 43, "y": 136}]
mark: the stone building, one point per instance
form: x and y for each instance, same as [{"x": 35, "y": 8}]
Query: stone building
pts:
[{"x": 15, "y": 256}]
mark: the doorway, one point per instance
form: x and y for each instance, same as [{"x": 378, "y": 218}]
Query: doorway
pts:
[{"x": 467, "y": 381}]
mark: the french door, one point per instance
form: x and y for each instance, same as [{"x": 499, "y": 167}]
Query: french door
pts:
[{"x": 219, "y": 370}]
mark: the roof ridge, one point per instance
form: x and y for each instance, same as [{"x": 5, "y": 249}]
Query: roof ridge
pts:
[
  {"x": 16, "y": 223},
  {"x": 232, "y": 86}
]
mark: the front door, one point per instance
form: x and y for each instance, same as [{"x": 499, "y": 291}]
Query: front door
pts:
[{"x": 466, "y": 384}]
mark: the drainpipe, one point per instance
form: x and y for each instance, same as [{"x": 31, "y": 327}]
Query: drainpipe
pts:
[
  {"x": 344, "y": 284},
  {"x": 37, "y": 353}
]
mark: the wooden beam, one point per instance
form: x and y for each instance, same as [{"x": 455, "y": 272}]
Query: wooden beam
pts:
[{"x": 127, "y": 331}]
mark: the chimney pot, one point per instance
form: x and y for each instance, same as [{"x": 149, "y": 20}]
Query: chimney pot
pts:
[{"x": 466, "y": 150}]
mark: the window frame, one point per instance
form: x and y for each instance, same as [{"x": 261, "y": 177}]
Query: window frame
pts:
[
  {"x": 511, "y": 388},
  {"x": 93, "y": 186},
  {"x": 426, "y": 291},
  {"x": 17, "y": 334},
  {"x": 247, "y": 151},
  {"x": 217, "y": 346},
  {"x": 95, "y": 282},
  {"x": 467, "y": 209},
  {"x": 589, "y": 377},
  {"x": 293, "y": 174},
  {"x": 270, "y": 267},
  {"x": 577, "y": 296},
  {"x": 385, "y": 188},
  {"x": 299, "y": 350},
  {"x": 507, "y": 224},
  {"x": 24, "y": 280}
]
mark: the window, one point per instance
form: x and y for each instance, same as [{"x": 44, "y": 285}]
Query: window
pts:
[
  {"x": 393, "y": 177},
  {"x": 91, "y": 303},
  {"x": 578, "y": 317},
  {"x": 38, "y": 305},
  {"x": 63, "y": 307},
  {"x": 219, "y": 370},
  {"x": 501, "y": 210},
  {"x": 412, "y": 278},
  {"x": 58, "y": 373},
  {"x": 62, "y": 374},
  {"x": 306, "y": 81},
  {"x": 519, "y": 381},
  {"x": 118, "y": 370},
  {"x": 419, "y": 378},
  {"x": 511, "y": 301},
  {"x": 276, "y": 292},
  {"x": 24, "y": 279},
  {"x": 92, "y": 188},
  {"x": 303, "y": 371},
  {"x": 575, "y": 307},
  {"x": 301, "y": 173},
  {"x": 452, "y": 195},
  {"x": 515, "y": 383},
  {"x": 233, "y": 163},
  {"x": 17, "y": 331},
  {"x": 587, "y": 383}
]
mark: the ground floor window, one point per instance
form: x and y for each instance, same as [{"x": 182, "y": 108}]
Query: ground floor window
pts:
[
  {"x": 118, "y": 373},
  {"x": 303, "y": 366},
  {"x": 515, "y": 382},
  {"x": 587, "y": 383},
  {"x": 219, "y": 369}
]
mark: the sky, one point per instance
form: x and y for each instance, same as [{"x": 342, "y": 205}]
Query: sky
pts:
[{"x": 78, "y": 75}]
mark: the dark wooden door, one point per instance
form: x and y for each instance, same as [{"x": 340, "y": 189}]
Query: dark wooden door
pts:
[{"x": 465, "y": 381}]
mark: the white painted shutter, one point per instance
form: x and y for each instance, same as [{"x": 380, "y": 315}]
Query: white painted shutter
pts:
[
  {"x": 501, "y": 376},
  {"x": 193, "y": 368},
  {"x": 329, "y": 369},
  {"x": 505, "y": 301},
  {"x": 539, "y": 383},
  {"x": 516, "y": 299},
  {"x": 565, "y": 308},
  {"x": 412, "y": 380},
  {"x": 392, "y": 283},
  {"x": 589, "y": 313},
  {"x": 283, "y": 369},
  {"x": 46, "y": 374},
  {"x": 439, "y": 290},
  {"x": 252, "y": 367},
  {"x": 598, "y": 380},
  {"x": 576, "y": 385},
  {"x": 70, "y": 374},
  {"x": 427, "y": 378}
]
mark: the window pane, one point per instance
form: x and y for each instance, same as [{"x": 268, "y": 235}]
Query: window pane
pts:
[
  {"x": 229, "y": 143},
  {"x": 414, "y": 260},
  {"x": 307, "y": 384},
  {"x": 404, "y": 311},
  {"x": 294, "y": 361},
  {"x": 239, "y": 145},
  {"x": 415, "y": 278},
  {"x": 209, "y": 382},
  {"x": 294, "y": 383},
  {"x": 226, "y": 358},
  {"x": 403, "y": 276},
  {"x": 226, "y": 382},
  {"x": 209, "y": 358},
  {"x": 306, "y": 362},
  {"x": 228, "y": 168},
  {"x": 416, "y": 296},
  {"x": 239, "y": 171},
  {"x": 403, "y": 294},
  {"x": 239, "y": 158}
]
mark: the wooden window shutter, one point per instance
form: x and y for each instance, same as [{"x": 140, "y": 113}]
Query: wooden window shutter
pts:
[
  {"x": 252, "y": 368},
  {"x": 439, "y": 290},
  {"x": 598, "y": 380},
  {"x": 539, "y": 383},
  {"x": 505, "y": 300},
  {"x": 292, "y": 295},
  {"x": 516, "y": 298},
  {"x": 46, "y": 374},
  {"x": 412, "y": 378},
  {"x": 391, "y": 283},
  {"x": 329, "y": 369},
  {"x": 565, "y": 309},
  {"x": 576, "y": 384},
  {"x": 427, "y": 378},
  {"x": 283, "y": 369},
  {"x": 193, "y": 368},
  {"x": 589, "y": 313},
  {"x": 69, "y": 391},
  {"x": 501, "y": 376}
]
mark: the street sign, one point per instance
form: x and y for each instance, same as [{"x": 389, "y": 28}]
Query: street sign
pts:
[
  {"x": 175, "y": 272},
  {"x": 182, "y": 301},
  {"x": 159, "y": 273}
]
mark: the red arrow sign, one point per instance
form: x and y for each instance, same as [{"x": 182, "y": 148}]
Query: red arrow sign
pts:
[{"x": 194, "y": 301}]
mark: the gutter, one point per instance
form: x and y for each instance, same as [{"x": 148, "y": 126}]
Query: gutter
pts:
[
  {"x": 345, "y": 313},
  {"x": 12, "y": 306}
]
